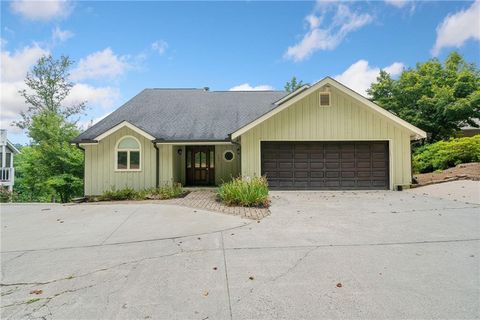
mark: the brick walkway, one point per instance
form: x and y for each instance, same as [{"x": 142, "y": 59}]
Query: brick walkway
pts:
[{"x": 206, "y": 200}]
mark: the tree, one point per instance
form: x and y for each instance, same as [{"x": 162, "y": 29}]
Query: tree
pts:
[
  {"x": 49, "y": 86},
  {"x": 438, "y": 98},
  {"x": 50, "y": 165},
  {"x": 293, "y": 85}
]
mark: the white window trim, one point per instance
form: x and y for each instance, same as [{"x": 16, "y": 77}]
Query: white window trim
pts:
[
  {"x": 128, "y": 155},
  {"x": 225, "y": 152}
]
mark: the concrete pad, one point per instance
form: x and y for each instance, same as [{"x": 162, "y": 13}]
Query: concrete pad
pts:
[
  {"x": 62, "y": 226},
  {"x": 168, "y": 221},
  {"x": 396, "y": 254},
  {"x": 325, "y": 218},
  {"x": 398, "y": 281},
  {"x": 463, "y": 190}
]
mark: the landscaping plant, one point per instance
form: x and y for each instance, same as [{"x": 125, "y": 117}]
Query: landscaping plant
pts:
[
  {"x": 245, "y": 192},
  {"x": 161, "y": 193},
  {"x": 445, "y": 154}
]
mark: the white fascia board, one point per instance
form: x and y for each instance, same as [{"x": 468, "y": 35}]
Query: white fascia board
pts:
[{"x": 121, "y": 125}]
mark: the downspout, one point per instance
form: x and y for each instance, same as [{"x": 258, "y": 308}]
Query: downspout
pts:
[
  {"x": 157, "y": 178},
  {"x": 83, "y": 151}
]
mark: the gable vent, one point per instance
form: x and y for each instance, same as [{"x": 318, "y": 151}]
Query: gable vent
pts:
[{"x": 325, "y": 99}]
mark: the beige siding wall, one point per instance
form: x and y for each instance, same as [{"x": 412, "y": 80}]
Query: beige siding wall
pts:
[
  {"x": 179, "y": 164},
  {"x": 100, "y": 174},
  {"x": 225, "y": 170},
  {"x": 166, "y": 164},
  {"x": 345, "y": 119}
]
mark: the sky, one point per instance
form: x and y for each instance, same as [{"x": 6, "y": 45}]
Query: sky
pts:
[{"x": 121, "y": 48}]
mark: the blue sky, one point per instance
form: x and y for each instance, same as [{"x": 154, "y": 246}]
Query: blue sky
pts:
[{"x": 121, "y": 48}]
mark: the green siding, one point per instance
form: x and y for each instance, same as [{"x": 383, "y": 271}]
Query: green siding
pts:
[
  {"x": 345, "y": 119},
  {"x": 100, "y": 174},
  {"x": 225, "y": 170}
]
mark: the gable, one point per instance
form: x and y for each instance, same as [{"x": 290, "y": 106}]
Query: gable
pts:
[{"x": 346, "y": 109}]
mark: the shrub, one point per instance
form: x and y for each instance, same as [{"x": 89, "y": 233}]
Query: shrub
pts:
[
  {"x": 122, "y": 194},
  {"x": 6, "y": 195},
  {"x": 66, "y": 186},
  {"x": 162, "y": 193},
  {"x": 245, "y": 192},
  {"x": 445, "y": 154},
  {"x": 166, "y": 192}
]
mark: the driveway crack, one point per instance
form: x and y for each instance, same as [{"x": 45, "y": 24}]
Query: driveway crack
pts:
[{"x": 226, "y": 277}]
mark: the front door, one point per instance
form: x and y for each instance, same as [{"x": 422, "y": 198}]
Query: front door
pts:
[{"x": 200, "y": 165}]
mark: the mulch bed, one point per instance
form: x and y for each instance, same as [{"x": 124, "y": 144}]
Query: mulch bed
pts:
[{"x": 464, "y": 171}]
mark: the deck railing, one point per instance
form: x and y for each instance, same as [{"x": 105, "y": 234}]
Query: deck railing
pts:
[{"x": 6, "y": 174}]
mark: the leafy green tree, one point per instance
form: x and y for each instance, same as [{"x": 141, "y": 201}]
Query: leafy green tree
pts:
[
  {"x": 50, "y": 165},
  {"x": 293, "y": 84},
  {"x": 438, "y": 98}
]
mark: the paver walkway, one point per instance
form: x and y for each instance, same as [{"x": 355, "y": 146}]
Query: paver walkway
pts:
[{"x": 206, "y": 200}]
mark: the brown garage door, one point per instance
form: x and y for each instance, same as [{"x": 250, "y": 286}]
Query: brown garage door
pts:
[{"x": 331, "y": 165}]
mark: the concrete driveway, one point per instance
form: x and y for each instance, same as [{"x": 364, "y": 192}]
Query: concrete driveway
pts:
[{"x": 318, "y": 255}]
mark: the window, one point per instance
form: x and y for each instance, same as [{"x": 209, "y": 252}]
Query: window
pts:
[
  {"x": 228, "y": 155},
  {"x": 128, "y": 154},
  {"x": 325, "y": 99}
]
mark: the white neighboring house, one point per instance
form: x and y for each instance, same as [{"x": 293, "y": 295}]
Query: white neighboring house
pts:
[{"x": 7, "y": 171}]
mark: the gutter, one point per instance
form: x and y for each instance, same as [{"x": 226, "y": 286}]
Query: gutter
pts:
[{"x": 157, "y": 160}]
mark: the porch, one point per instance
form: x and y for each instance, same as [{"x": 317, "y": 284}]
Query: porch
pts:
[{"x": 198, "y": 164}]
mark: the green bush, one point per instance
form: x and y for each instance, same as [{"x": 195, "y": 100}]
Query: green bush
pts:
[
  {"x": 6, "y": 195},
  {"x": 166, "y": 192},
  {"x": 122, "y": 194},
  {"x": 248, "y": 193},
  {"x": 161, "y": 193},
  {"x": 445, "y": 154}
]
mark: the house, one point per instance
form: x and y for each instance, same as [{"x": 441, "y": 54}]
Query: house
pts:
[
  {"x": 469, "y": 130},
  {"x": 320, "y": 137},
  {"x": 7, "y": 171}
]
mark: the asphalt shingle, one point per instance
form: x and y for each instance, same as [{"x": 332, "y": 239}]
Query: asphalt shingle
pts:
[{"x": 188, "y": 114}]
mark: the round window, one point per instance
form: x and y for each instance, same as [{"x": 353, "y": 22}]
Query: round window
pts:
[{"x": 228, "y": 155}]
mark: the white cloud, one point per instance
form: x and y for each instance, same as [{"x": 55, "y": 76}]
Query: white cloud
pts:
[
  {"x": 248, "y": 87},
  {"x": 41, "y": 10},
  {"x": 101, "y": 64},
  {"x": 61, "y": 35},
  {"x": 160, "y": 46},
  {"x": 104, "y": 97},
  {"x": 397, "y": 3},
  {"x": 14, "y": 68},
  {"x": 457, "y": 28},
  {"x": 359, "y": 76},
  {"x": 323, "y": 36}
]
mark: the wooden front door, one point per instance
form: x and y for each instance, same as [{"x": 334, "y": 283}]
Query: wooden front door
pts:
[{"x": 200, "y": 165}]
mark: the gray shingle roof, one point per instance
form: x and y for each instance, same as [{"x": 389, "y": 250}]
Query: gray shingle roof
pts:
[{"x": 188, "y": 114}]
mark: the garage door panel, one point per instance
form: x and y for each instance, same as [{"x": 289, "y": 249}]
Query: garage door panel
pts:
[
  {"x": 316, "y": 165},
  {"x": 363, "y": 164},
  {"x": 301, "y": 165},
  {"x": 270, "y": 165},
  {"x": 301, "y": 174},
  {"x": 348, "y": 165},
  {"x": 348, "y": 174},
  {"x": 326, "y": 165},
  {"x": 332, "y": 165},
  {"x": 285, "y": 165},
  {"x": 317, "y": 174}
]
